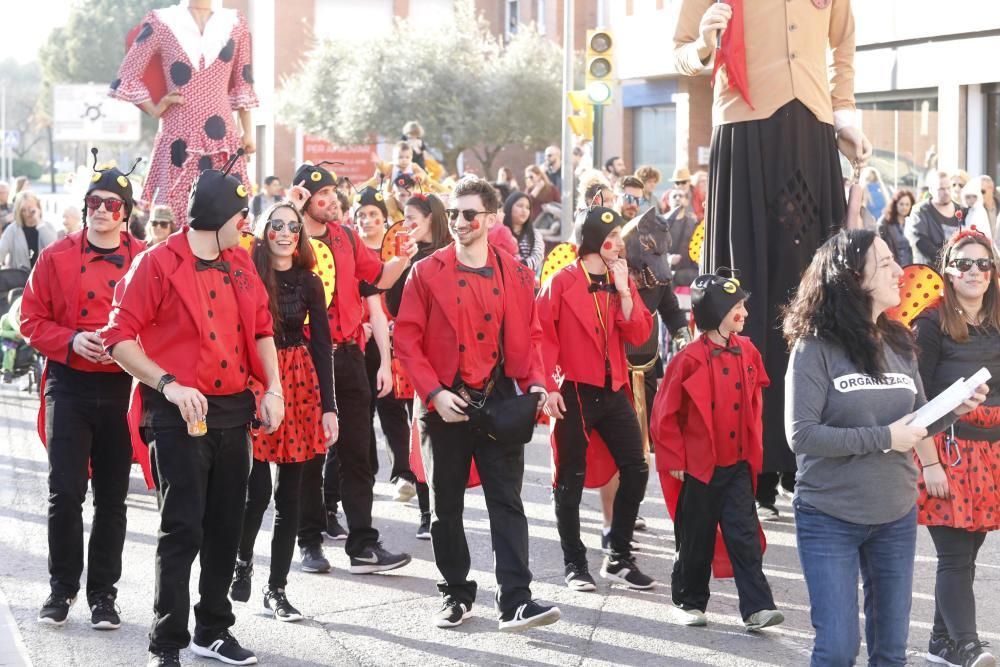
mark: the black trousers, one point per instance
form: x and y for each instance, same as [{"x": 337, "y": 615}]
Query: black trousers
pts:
[
  {"x": 394, "y": 419},
  {"x": 287, "y": 490},
  {"x": 611, "y": 414},
  {"x": 353, "y": 460},
  {"x": 448, "y": 451},
  {"x": 87, "y": 434},
  {"x": 727, "y": 500},
  {"x": 767, "y": 485},
  {"x": 201, "y": 487},
  {"x": 954, "y": 599}
]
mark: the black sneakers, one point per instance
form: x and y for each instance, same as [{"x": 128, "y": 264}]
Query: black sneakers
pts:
[
  {"x": 424, "y": 531},
  {"x": 377, "y": 559},
  {"x": 578, "y": 578},
  {"x": 971, "y": 654},
  {"x": 277, "y": 604},
  {"x": 452, "y": 613},
  {"x": 939, "y": 650},
  {"x": 333, "y": 528},
  {"x": 242, "y": 575},
  {"x": 104, "y": 613},
  {"x": 224, "y": 648},
  {"x": 167, "y": 657},
  {"x": 313, "y": 560},
  {"x": 624, "y": 570},
  {"x": 606, "y": 544},
  {"x": 528, "y": 615},
  {"x": 56, "y": 609},
  {"x": 767, "y": 512}
]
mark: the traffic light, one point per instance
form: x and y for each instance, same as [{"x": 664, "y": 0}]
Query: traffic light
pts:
[
  {"x": 581, "y": 121},
  {"x": 600, "y": 68}
]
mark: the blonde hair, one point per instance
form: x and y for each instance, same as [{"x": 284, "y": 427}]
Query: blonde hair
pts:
[
  {"x": 413, "y": 129},
  {"x": 19, "y": 205}
]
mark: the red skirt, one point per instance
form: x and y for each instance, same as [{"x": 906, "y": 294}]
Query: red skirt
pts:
[
  {"x": 973, "y": 483},
  {"x": 300, "y": 436}
]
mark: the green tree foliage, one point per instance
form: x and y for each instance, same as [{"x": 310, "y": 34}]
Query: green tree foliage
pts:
[
  {"x": 22, "y": 83},
  {"x": 467, "y": 90}
]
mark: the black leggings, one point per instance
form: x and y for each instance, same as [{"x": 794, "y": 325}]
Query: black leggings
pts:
[
  {"x": 287, "y": 488},
  {"x": 954, "y": 599}
]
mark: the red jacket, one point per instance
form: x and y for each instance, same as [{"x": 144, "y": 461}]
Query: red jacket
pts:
[
  {"x": 425, "y": 335},
  {"x": 354, "y": 262},
  {"x": 681, "y": 425},
  {"x": 157, "y": 304},
  {"x": 50, "y": 305},
  {"x": 573, "y": 340}
]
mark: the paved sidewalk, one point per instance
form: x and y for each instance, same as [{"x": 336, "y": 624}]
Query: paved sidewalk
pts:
[{"x": 384, "y": 619}]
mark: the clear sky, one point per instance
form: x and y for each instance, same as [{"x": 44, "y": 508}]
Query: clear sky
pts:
[{"x": 35, "y": 19}]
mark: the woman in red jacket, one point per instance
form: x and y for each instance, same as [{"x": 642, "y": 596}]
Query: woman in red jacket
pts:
[
  {"x": 588, "y": 311},
  {"x": 284, "y": 259}
]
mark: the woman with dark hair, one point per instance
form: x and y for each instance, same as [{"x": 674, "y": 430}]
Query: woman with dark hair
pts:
[
  {"x": 959, "y": 487},
  {"x": 892, "y": 224},
  {"x": 284, "y": 259},
  {"x": 425, "y": 220},
  {"x": 530, "y": 244},
  {"x": 852, "y": 388}
]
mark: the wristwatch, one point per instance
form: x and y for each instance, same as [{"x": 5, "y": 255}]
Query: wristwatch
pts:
[{"x": 164, "y": 381}]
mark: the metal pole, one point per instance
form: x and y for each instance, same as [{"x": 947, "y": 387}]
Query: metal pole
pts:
[
  {"x": 598, "y": 136},
  {"x": 566, "y": 217},
  {"x": 52, "y": 162},
  {"x": 3, "y": 134}
]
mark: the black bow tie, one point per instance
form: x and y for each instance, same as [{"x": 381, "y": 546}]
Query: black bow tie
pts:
[
  {"x": 602, "y": 287},
  {"x": 205, "y": 265},
  {"x": 485, "y": 272},
  {"x": 117, "y": 260},
  {"x": 734, "y": 349}
]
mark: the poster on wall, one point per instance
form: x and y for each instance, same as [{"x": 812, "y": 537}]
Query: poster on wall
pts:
[{"x": 357, "y": 159}]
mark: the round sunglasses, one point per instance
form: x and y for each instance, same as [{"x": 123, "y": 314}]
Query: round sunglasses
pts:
[
  {"x": 278, "y": 225},
  {"x": 984, "y": 264}
]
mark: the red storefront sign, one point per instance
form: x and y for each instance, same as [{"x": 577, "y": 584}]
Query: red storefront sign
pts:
[{"x": 357, "y": 159}]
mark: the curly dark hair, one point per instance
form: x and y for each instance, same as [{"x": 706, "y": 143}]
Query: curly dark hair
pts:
[
  {"x": 890, "y": 212},
  {"x": 832, "y": 305}
]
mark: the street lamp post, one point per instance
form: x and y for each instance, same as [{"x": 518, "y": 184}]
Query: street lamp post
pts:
[{"x": 566, "y": 196}]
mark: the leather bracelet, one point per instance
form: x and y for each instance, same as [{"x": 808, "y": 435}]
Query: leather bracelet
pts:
[
  {"x": 936, "y": 463},
  {"x": 275, "y": 394}
]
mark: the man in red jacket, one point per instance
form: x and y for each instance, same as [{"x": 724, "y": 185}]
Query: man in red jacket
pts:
[
  {"x": 467, "y": 328},
  {"x": 349, "y": 471},
  {"x": 191, "y": 323},
  {"x": 588, "y": 311},
  {"x": 706, "y": 427},
  {"x": 85, "y": 397}
]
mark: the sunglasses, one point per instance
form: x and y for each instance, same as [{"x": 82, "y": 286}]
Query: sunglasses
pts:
[
  {"x": 293, "y": 227},
  {"x": 469, "y": 214},
  {"x": 985, "y": 265},
  {"x": 631, "y": 199},
  {"x": 160, "y": 223},
  {"x": 111, "y": 204}
]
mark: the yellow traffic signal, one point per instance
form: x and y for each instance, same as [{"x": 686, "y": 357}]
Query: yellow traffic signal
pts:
[
  {"x": 600, "y": 66},
  {"x": 581, "y": 121}
]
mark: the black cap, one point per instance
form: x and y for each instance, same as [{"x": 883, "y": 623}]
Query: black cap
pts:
[
  {"x": 712, "y": 297},
  {"x": 404, "y": 180},
  {"x": 369, "y": 196},
  {"x": 593, "y": 226},
  {"x": 313, "y": 177},
  {"x": 110, "y": 178},
  {"x": 216, "y": 197}
]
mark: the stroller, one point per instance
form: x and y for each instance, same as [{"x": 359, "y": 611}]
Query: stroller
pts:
[{"x": 25, "y": 360}]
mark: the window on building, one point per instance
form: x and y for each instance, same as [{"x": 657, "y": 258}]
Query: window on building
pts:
[
  {"x": 512, "y": 17},
  {"x": 902, "y": 127},
  {"x": 540, "y": 16},
  {"x": 993, "y": 131},
  {"x": 654, "y": 140}
]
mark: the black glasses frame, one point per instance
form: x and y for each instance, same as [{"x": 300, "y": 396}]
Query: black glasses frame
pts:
[
  {"x": 469, "y": 214},
  {"x": 963, "y": 264}
]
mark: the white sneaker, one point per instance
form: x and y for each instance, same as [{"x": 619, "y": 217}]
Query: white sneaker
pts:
[
  {"x": 405, "y": 490},
  {"x": 764, "y": 619},
  {"x": 690, "y": 617}
]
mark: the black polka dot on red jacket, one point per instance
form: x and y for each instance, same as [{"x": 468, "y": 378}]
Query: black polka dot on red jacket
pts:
[
  {"x": 205, "y": 163},
  {"x": 493, "y": 355},
  {"x": 732, "y": 434},
  {"x": 736, "y": 406},
  {"x": 83, "y": 313},
  {"x": 480, "y": 336},
  {"x": 487, "y": 317},
  {"x": 111, "y": 283},
  {"x": 461, "y": 348},
  {"x": 462, "y": 283},
  {"x": 215, "y": 127},
  {"x": 248, "y": 73},
  {"x": 180, "y": 73},
  {"x": 725, "y": 371},
  {"x": 226, "y": 54},
  {"x": 211, "y": 293},
  {"x": 225, "y": 279},
  {"x": 211, "y": 335},
  {"x": 88, "y": 250},
  {"x": 739, "y": 385},
  {"x": 218, "y": 384},
  {"x": 178, "y": 152},
  {"x": 145, "y": 33},
  {"x": 224, "y": 364},
  {"x": 210, "y": 314},
  {"x": 83, "y": 269},
  {"x": 496, "y": 291},
  {"x": 90, "y": 295}
]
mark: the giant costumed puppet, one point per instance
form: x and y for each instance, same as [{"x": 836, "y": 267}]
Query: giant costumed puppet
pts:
[
  {"x": 190, "y": 66},
  {"x": 775, "y": 191}
]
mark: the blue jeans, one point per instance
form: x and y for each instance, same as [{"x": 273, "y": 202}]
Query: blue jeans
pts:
[{"x": 832, "y": 552}]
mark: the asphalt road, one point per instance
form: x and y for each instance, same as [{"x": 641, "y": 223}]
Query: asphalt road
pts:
[{"x": 384, "y": 619}]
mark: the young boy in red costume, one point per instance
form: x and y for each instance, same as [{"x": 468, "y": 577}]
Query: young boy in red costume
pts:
[
  {"x": 191, "y": 323},
  {"x": 588, "y": 311},
  {"x": 706, "y": 427},
  {"x": 85, "y": 397}
]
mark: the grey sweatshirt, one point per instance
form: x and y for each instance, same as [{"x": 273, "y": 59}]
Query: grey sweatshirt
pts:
[{"x": 837, "y": 422}]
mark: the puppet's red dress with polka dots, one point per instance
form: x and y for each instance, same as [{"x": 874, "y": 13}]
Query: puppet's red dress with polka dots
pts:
[{"x": 212, "y": 72}]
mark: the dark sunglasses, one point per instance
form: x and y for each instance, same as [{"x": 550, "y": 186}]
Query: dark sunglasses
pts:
[
  {"x": 985, "y": 265},
  {"x": 111, "y": 204},
  {"x": 160, "y": 223},
  {"x": 469, "y": 214},
  {"x": 293, "y": 227},
  {"x": 631, "y": 199}
]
